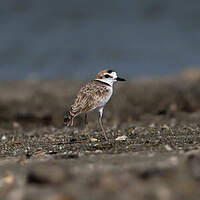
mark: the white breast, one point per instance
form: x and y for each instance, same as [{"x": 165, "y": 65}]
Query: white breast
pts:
[{"x": 106, "y": 98}]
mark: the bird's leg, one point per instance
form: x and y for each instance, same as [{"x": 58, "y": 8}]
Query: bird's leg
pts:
[
  {"x": 86, "y": 121},
  {"x": 86, "y": 126},
  {"x": 100, "y": 122}
]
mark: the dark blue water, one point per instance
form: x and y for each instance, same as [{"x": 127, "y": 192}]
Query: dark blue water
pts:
[{"x": 66, "y": 39}]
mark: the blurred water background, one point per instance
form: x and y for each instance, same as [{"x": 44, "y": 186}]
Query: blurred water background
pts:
[{"x": 71, "y": 39}]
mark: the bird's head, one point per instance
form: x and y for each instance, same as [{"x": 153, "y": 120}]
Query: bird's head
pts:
[{"x": 108, "y": 76}]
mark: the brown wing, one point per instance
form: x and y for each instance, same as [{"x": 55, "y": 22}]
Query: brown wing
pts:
[{"x": 88, "y": 97}]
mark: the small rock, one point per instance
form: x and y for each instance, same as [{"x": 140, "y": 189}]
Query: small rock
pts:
[
  {"x": 38, "y": 154},
  {"x": 165, "y": 127},
  {"x": 98, "y": 151},
  {"x": 132, "y": 130},
  {"x": 121, "y": 138},
  {"x": 93, "y": 139},
  {"x": 3, "y": 137},
  {"x": 168, "y": 148},
  {"x": 51, "y": 137}
]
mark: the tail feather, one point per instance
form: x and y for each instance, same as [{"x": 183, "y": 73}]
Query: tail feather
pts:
[{"x": 68, "y": 119}]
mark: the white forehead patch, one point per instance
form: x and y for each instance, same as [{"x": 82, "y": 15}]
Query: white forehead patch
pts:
[{"x": 113, "y": 74}]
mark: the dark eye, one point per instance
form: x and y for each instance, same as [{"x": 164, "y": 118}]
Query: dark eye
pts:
[{"x": 107, "y": 76}]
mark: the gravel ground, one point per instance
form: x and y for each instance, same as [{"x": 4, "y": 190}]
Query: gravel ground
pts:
[{"x": 153, "y": 151}]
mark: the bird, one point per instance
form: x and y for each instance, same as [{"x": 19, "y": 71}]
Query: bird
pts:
[{"x": 93, "y": 96}]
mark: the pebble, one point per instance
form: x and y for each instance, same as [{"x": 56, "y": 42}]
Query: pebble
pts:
[
  {"x": 38, "y": 154},
  {"x": 93, "y": 139},
  {"x": 98, "y": 151},
  {"x": 121, "y": 138},
  {"x": 168, "y": 148},
  {"x": 3, "y": 137},
  {"x": 132, "y": 130},
  {"x": 165, "y": 127}
]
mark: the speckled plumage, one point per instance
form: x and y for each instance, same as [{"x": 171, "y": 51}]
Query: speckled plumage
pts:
[{"x": 93, "y": 95}]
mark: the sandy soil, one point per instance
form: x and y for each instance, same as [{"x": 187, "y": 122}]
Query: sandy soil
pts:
[{"x": 153, "y": 151}]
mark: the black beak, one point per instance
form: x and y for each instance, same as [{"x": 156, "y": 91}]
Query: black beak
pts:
[{"x": 120, "y": 79}]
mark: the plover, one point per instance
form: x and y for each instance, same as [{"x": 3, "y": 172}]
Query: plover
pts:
[{"x": 94, "y": 95}]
